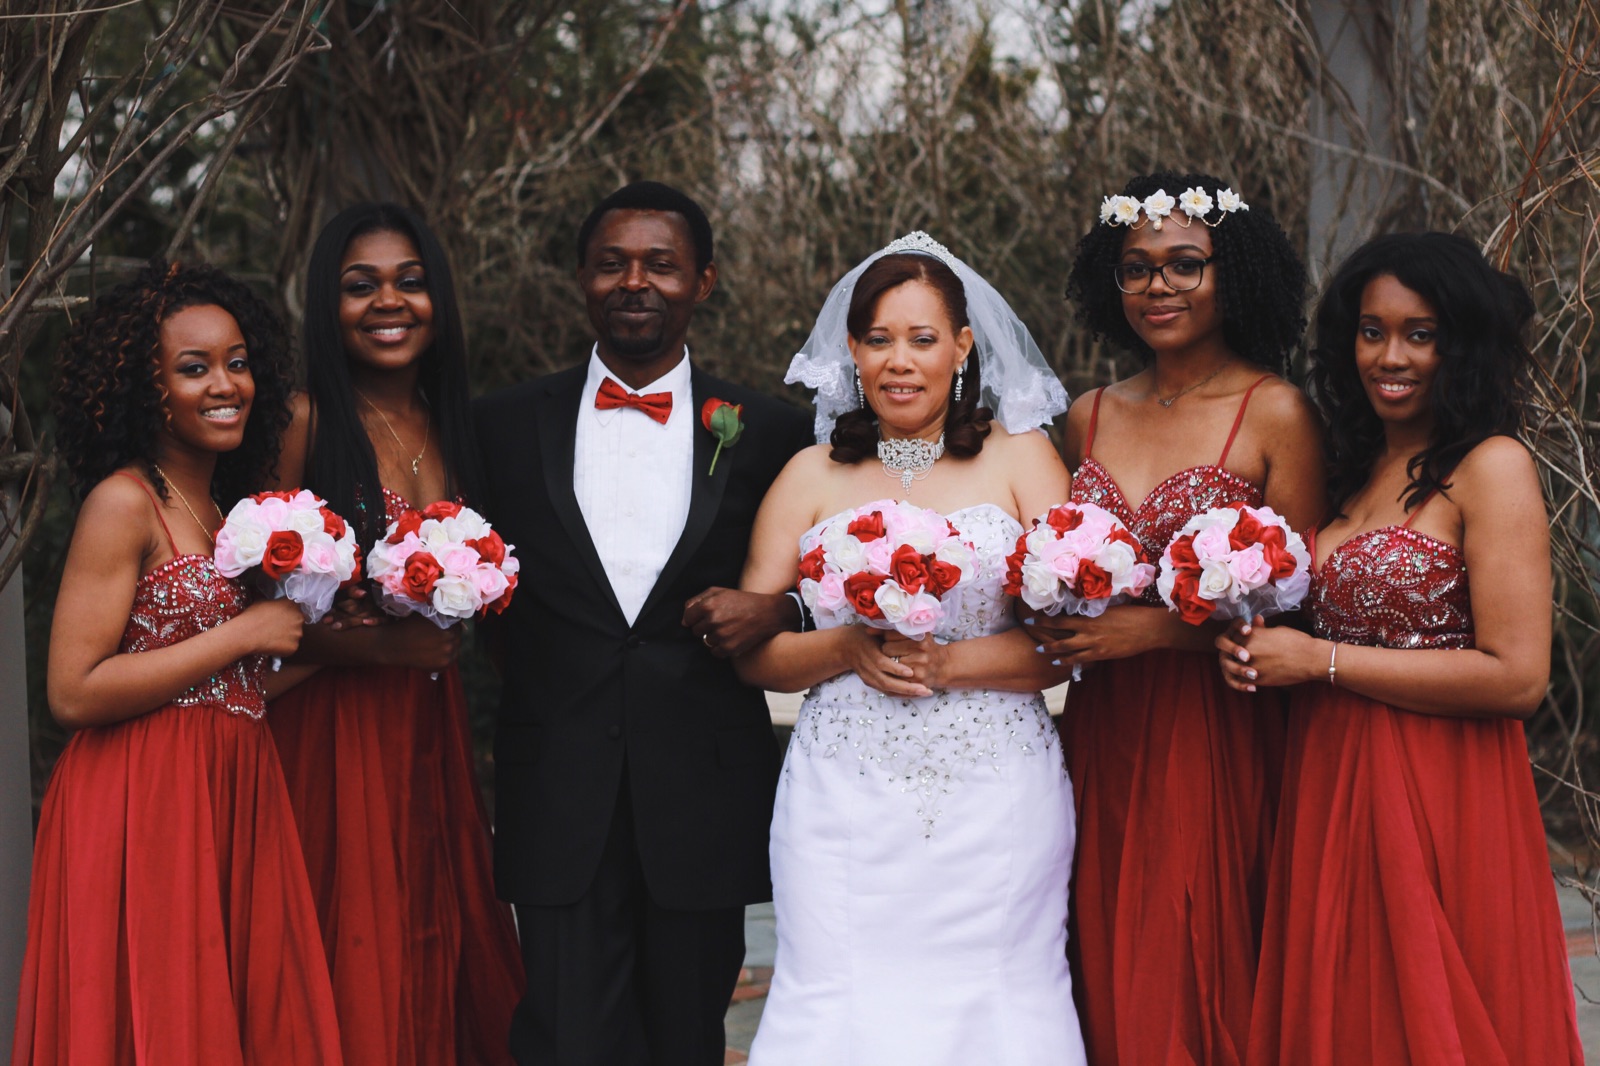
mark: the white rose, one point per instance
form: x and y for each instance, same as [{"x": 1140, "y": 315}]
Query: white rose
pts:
[
  {"x": 1042, "y": 589},
  {"x": 1158, "y": 205},
  {"x": 1216, "y": 583},
  {"x": 845, "y": 552},
  {"x": 455, "y": 597},
  {"x": 1229, "y": 201},
  {"x": 1118, "y": 561},
  {"x": 1125, "y": 209},
  {"x": 1196, "y": 202},
  {"x": 893, "y": 601},
  {"x": 243, "y": 539}
]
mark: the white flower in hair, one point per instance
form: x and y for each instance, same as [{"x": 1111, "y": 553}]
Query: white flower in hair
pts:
[
  {"x": 1158, "y": 205},
  {"x": 1229, "y": 201},
  {"x": 1195, "y": 202},
  {"x": 1124, "y": 210},
  {"x": 1108, "y": 208}
]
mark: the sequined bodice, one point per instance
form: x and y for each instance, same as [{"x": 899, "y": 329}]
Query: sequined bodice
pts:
[
  {"x": 926, "y": 747},
  {"x": 1170, "y": 504},
  {"x": 980, "y": 609},
  {"x": 184, "y": 597},
  {"x": 1393, "y": 588}
]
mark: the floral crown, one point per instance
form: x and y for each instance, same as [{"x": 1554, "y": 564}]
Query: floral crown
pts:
[{"x": 1195, "y": 203}]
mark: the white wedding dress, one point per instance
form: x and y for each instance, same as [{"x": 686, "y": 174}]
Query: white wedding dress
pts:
[{"x": 921, "y": 850}]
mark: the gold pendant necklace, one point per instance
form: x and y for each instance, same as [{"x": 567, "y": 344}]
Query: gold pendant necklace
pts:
[
  {"x": 185, "y": 501},
  {"x": 416, "y": 464},
  {"x": 1175, "y": 397}
]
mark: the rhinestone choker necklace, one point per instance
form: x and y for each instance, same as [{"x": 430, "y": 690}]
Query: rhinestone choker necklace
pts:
[{"x": 909, "y": 460}]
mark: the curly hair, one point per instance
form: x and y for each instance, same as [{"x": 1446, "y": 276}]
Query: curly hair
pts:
[
  {"x": 1261, "y": 283},
  {"x": 108, "y": 400},
  {"x": 1484, "y": 363},
  {"x": 855, "y": 434}
]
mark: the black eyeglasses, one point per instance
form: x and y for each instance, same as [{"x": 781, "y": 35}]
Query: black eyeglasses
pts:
[{"x": 1181, "y": 275}]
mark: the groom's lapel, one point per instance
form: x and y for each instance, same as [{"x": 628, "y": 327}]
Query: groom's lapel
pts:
[
  {"x": 556, "y": 414},
  {"x": 705, "y": 494}
]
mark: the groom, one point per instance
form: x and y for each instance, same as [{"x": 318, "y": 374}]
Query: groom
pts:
[{"x": 634, "y": 773}]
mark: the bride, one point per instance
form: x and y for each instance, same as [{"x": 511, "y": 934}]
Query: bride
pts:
[{"x": 922, "y": 838}]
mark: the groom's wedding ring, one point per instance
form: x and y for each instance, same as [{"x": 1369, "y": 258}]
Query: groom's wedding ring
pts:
[
  {"x": 706, "y": 639},
  {"x": 895, "y": 659}
]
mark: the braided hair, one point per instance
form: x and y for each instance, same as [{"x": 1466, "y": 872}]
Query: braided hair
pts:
[
  {"x": 108, "y": 400},
  {"x": 1485, "y": 366},
  {"x": 1261, "y": 284}
]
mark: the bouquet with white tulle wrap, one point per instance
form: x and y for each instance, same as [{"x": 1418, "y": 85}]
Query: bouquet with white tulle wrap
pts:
[
  {"x": 1234, "y": 561},
  {"x": 888, "y": 565},
  {"x": 444, "y": 563},
  {"x": 1018, "y": 385}
]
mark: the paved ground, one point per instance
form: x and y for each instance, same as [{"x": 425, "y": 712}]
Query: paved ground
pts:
[{"x": 761, "y": 939}]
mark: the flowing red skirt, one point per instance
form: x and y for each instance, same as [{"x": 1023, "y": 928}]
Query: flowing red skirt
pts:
[
  {"x": 425, "y": 965},
  {"x": 1177, "y": 780},
  {"x": 169, "y": 920},
  {"x": 1411, "y": 912}
]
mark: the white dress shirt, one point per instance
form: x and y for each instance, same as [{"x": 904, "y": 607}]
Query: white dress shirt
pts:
[{"x": 632, "y": 476}]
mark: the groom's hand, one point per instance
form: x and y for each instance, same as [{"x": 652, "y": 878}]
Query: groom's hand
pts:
[{"x": 730, "y": 622}]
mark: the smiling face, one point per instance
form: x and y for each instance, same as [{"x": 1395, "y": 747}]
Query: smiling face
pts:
[
  {"x": 385, "y": 312},
  {"x": 908, "y": 358},
  {"x": 1397, "y": 359},
  {"x": 640, "y": 285},
  {"x": 1164, "y": 318},
  {"x": 204, "y": 374}
]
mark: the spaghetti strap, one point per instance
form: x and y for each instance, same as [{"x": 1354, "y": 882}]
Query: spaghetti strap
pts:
[
  {"x": 154, "y": 502},
  {"x": 1238, "y": 420},
  {"x": 1094, "y": 420},
  {"x": 1412, "y": 517}
]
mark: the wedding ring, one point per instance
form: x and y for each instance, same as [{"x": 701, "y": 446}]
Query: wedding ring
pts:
[
  {"x": 895, "y": 659},
  {"x": 706, "y": 639}
]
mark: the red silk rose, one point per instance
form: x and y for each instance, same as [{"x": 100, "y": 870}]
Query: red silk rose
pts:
[
  {"x": 1093, "y": 582},
  {"x": 868, "y": 527},
  {"x": 422, "y": 572},
  {"x": 942, "y": 576},
  {"x": 409, "y": 522},
  {"x": 722, "y": 419},
  {"x": 1186, "y": 597},
  {"x": 490, "y": 548},
  {"x": 504, "y": 600},
  {"x": 284, "y": 549},
  {"x": 332, "y": 524},
  {"x": 859, "y": 590},
  {"x": 441, "y": 509},
  {"x": 907, "y": 568},
  {"x": 813, "y": 563},
  {"x": 1275, "y": 550},
  {"x": 1246, "y": 531},
  {"x": 1064, "y": 518},
  {"x": 1121, "y": 534},
  {"x": 1183, "y": 554}
]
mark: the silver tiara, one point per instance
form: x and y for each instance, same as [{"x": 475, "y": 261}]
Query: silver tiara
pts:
[{"x": 918, "y": 241}]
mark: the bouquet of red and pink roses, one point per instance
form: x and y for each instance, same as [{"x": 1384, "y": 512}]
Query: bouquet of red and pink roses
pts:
[
  {"x": 1232, "y": 562},
  {"x": 443, "y": 562},
  {"x": 293, "y": 545},
  {"x": 1077, "y": 559},
  {"x": 889, "y": 564}
]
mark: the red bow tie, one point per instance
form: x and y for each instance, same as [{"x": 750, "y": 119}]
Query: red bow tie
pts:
[{"x": 658, "y": 405}]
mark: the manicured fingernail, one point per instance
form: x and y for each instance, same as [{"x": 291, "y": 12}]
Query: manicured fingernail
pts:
[
  {"x": 1244, "y": 629},
  {"x": 1055, "y": 662},
  {"x": 1244, "y": 656},
  {"x": 1249, "y": 688},
  {"x": 1251, "y": 674},
  {"x": 1027, "y": 621},
  {"x": 1039, "y": 648}
]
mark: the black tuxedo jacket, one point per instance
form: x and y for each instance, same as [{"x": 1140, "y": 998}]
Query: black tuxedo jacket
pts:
[{"x": 587, "y": 696}]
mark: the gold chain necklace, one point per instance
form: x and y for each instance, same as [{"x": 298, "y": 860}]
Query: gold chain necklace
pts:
[
  {"x": 416, "y": 464},
  {"x": 185, "y": 501},
  {"x": 1175, "y": 397}
]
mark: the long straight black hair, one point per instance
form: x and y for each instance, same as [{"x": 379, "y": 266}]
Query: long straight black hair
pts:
[{"x": 342, "y": 467}]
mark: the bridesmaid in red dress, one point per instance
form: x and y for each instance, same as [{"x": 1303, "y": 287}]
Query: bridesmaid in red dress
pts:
[
  {"x": 1411, "y": 910},
  {"x": 1176, "y": 776},
  {"x": 170, "y": 920},
  {"x": 378, "y": 753}
]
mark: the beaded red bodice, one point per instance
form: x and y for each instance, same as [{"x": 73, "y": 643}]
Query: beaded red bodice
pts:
[
  {"x": 1170, "y": 504},
  {"x": 1393, "y": 588},
  {"x": 184, "y": 597}
]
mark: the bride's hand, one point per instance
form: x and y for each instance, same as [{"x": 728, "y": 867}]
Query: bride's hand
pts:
[
  {"x": 876, "y": 666},
  {"x": 925, "y": 657}
]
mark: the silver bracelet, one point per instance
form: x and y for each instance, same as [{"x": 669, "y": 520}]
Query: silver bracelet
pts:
[{"x": 1333, "y": 664}]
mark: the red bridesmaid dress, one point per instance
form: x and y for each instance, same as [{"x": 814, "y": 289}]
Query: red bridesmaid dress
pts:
[
  {"x": 1411, "y": 913},
  {"x": 424, "y": 959},
  {"x": 1176, "y": 777},
  {"x": 170, "y": 920}
]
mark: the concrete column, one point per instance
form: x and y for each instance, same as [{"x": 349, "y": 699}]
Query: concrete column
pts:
[
  {"x": 16, "y": 792},
  {"x": 1367, "y": 115}
]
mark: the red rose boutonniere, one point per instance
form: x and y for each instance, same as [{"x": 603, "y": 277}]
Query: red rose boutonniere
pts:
[{"x": 722, "y": 419}]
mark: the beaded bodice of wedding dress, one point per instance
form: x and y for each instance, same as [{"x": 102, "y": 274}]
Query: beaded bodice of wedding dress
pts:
[{"x": 927, "y": 746}]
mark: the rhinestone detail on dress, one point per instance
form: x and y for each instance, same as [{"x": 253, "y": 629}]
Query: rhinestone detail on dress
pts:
[
  {"x": 180, "y": 599},
  {"x": 1170, "y": 504},
  {"x": 1393, "y": 588},
  {"x": 927, "y": 746}
]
